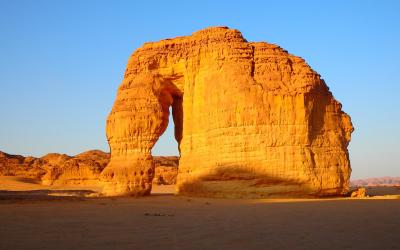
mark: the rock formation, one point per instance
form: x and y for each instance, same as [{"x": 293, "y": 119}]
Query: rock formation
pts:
[
  {"x": 359, "y": 193},
  {"x": 377, "y": 181},
  {"x": 84, "y": 168},
  {"x": 251, "y": 120},
  {"x": 166, "y": 170},
  {"x": 56, "y": 169},
  {"x": 17, "y": 165}
]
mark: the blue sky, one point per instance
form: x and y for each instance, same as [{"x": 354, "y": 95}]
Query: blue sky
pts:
[{"x": 62, "y": 61}]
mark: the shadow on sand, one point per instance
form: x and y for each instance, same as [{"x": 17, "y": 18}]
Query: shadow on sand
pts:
[{"x": 7, "y": 196}]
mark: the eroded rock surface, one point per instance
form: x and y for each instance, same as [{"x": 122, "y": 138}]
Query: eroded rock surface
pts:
[
  {"x": 17, "y": 165},
  {"x": 81, "y": 169},
  {"x": 56, "y": 169},
  {"x": 359, "y": 193},
  {"x": 251, "y": 120},
  {"x": 84, "y": 168},
  {"x": 166, "y": 170}
]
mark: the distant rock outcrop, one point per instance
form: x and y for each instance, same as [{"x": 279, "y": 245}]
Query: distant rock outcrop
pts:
[
  {"x": 84, "y": 168},
  {"x": 251, "y": 120},
  {"x": 378, "y": 181},
  {"x": 17, "y": 165},
  {"x": 54, "y": 168},
  {"x": 166, "y": 170}
]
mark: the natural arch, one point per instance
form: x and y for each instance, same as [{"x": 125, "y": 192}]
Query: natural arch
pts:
[
  {"x": 250, "y": 120},
  {"x": 170, "y": 97},
  {"x": 167, "y": 144}
]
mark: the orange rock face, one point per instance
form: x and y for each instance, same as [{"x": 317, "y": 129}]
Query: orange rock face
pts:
[
  {"x": 17, "y": 165},
  {"x": 84, "y": 168},
  {"x": 166, "y": 170},
  {"x": 251, "y": 120},
  {"x": 56, "y": 169},
  {"x": 359, "y": 193}
]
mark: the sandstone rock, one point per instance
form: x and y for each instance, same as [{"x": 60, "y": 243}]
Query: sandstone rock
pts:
[
  {"x": 359, "y": 193},
  {"x": 55, "y": 159},
  {"x": 56, "y": 168},
  {"x": 166, "y": 170},
  {"x": 84, "y": 168},
  {"x": 251, "y": 120},
  {"x": 17, "y": 165}
]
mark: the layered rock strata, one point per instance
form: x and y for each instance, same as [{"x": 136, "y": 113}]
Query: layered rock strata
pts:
[
  {"x": 84, "y": 168},
  {"x": 56, "y": 169},
  {"x": 251, "y": 120},
  {"x": 166, "y": 170},
  {"x": 81, "y": 169}
]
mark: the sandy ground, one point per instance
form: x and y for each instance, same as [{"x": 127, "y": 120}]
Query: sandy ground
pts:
[{"x": 31, "y": 219}]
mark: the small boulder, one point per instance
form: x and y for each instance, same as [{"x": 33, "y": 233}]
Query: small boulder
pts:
[{"x": 359, "y": 193}]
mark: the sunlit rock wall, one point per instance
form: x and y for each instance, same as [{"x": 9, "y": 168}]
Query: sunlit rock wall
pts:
[{"x": 251, "y": 120}]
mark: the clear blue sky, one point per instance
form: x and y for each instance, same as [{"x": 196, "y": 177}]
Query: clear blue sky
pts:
[{"x": 62, "y": 61}]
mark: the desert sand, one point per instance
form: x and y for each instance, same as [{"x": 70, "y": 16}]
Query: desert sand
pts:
[{"x": 33, "y": 219}]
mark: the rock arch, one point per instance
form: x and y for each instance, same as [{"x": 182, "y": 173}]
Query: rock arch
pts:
[{"x": 251, "y": 120}]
